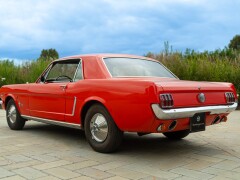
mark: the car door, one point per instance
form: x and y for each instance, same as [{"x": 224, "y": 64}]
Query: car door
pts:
[{"x": 47, "y": 98}]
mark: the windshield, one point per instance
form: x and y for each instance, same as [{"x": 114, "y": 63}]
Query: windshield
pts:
[{"x": 119, "y": 67}]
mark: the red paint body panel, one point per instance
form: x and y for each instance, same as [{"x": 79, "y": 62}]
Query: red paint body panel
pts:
[
  {"x": 128, "y": 100},
  {"x": 47, "y": 101}
]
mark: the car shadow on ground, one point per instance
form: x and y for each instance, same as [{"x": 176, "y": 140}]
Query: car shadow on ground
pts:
[{"x": 156, "y": 144}]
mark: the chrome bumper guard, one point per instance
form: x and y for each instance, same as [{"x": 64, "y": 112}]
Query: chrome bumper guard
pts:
[{"x": 189, "y": 112}]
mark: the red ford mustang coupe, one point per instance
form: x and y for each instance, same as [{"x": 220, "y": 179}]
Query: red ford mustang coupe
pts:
[{"x": 107, "y": 94}]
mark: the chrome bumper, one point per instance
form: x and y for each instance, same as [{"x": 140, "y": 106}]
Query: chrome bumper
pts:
[{"x": 189, "y": 112}]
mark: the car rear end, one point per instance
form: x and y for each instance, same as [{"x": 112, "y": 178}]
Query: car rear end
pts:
[
  {"x": 192, "y": 105},
  {"x": 178, "y": 105}
]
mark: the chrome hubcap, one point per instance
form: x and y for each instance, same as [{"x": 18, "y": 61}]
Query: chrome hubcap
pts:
[
  {"x": 99, "y": 127},
  {"x": 12, "y": 114}
]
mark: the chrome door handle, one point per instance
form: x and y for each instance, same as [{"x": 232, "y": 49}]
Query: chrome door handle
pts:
[{"x": 63, "y": 87}]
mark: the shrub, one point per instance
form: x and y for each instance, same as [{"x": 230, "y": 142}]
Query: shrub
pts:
[
  {"x": 18, "y": 74},
  {"x": 219, "y": 65}
]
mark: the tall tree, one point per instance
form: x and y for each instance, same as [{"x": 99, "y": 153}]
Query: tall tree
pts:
[
  {"x": 235, "y": 42},
  {"x": 48, "y": 54}
]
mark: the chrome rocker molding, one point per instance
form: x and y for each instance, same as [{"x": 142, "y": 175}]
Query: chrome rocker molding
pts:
[
  {"x": 1, "y": 104},
  {"x": 189, "y": 112},
  {"x": 49, "y": 121}
]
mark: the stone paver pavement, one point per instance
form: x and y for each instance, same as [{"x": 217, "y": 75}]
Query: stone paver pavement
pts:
[{"x": 45, "y": 152}]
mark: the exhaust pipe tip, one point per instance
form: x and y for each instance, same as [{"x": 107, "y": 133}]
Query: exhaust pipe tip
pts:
[
  {"x": 216, "y": 120},
  {"x": 172, "y": 125},
  {"x": 223, "y": 119}
]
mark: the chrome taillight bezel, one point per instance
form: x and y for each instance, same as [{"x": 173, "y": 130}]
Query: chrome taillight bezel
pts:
[
  {"x": 166, "y": 101},
  {"x": 230, "y": 97}
]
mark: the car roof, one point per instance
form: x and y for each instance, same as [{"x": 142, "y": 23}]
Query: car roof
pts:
[{"x": 105, "y": 55}]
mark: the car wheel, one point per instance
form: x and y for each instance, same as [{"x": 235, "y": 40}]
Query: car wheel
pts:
[
  {"x": 14, "y": 119},
  {"x": 177, "y": 134},
  {"x": 101, "y": 131}
]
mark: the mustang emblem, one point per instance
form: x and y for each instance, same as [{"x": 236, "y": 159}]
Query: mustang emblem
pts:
[{"x": 201, "y": 98}]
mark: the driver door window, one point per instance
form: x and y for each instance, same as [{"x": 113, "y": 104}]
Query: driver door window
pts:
[{"x": 62, "y": 71}]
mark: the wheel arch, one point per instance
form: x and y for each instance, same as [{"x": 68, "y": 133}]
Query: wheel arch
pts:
[
  {"x": 88, "y": 103},
  {"x": 7, "y": 99}
]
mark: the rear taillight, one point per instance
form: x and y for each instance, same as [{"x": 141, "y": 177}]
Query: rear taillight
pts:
[
  {"x": 230, "y": 98},
  {"x": 166, "y": 100}
]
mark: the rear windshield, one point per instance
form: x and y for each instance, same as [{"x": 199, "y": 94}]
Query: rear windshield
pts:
[{"x": 120, "y": 67}]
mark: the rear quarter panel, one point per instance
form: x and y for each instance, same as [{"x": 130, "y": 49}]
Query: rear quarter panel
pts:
[{"x": 128, "y": 102}]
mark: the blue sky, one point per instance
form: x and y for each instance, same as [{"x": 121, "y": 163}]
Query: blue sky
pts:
[{"x": 112, "y": 26}]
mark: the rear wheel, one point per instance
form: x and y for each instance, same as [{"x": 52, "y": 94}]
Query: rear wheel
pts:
[
  {"x": 101, "y": 131},
  {"x": 177, "y": 135},
  {"x": 14, "y": 119}
]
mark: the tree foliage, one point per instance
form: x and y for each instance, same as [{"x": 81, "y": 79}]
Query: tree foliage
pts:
[
  {"x": 17, "y": 74},
  {"x": 235, "y": 42},
  {"x": 48, "y": 54}
]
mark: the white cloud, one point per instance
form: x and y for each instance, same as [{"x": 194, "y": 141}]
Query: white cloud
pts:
[{"x": 136, "y": 27}]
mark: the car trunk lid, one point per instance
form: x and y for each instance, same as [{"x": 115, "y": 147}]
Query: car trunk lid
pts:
[{"x": 186, "y": 93}]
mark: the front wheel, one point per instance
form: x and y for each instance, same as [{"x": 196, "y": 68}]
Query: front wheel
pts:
[
  {"x": 177, "y": 135},
  {"x": 14, "y": 119},
  {"x": 101, "y": 131}
]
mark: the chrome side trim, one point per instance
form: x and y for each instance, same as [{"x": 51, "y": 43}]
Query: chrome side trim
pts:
[
  {"x": 189, "y": 112},
  {"x": 74, "y": 106},
  {"x": 53, "y": 122}
]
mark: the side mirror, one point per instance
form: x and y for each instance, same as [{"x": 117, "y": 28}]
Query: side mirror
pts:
[{"x": 42, "y": 79}]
